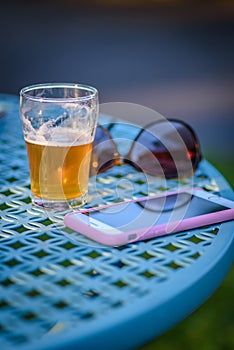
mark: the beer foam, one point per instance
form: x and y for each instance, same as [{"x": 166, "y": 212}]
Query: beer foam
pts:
[
  {"x": 61, "y": 137},
  {"x": 62, "y": 130}
]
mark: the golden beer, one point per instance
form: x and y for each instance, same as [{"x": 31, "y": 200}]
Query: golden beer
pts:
[{"x": 59, "y": 172}]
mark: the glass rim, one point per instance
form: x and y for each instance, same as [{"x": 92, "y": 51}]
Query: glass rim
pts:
[{"x": 24, "y": 92}]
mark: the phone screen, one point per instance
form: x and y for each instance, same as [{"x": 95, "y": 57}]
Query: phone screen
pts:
[{"x": 175, "y": 207}]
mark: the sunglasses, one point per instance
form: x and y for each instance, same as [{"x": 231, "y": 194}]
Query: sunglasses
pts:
[{"x": 167, "y": 148}]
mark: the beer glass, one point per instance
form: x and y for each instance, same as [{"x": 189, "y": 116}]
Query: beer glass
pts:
[{"x": 59, "y": 123}]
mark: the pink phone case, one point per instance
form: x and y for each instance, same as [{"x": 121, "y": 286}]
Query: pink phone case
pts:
[{"x": 122, "y": 238}]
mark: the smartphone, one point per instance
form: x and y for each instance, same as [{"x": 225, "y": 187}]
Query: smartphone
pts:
[{"x": 149, "y": 217}]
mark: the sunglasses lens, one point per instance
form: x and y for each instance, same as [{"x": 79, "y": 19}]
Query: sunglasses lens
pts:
[
  {"x": 191, "y": 143},
  {"x": 174, "y": 146},
  {"x": 104, "y": 152}
]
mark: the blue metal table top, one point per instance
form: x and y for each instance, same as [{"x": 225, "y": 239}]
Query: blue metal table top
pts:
[{"x": 58, "y": 290}]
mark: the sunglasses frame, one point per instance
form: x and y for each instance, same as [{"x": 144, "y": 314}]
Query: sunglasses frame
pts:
[{"x": 118, "y": 159}]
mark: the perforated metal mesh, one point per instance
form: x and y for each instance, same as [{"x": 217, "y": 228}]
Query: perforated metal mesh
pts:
[{"x": 51, "y": 278}]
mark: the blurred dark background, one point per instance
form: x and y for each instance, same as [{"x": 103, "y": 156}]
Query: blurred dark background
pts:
[{"x": 174, "y": 56}]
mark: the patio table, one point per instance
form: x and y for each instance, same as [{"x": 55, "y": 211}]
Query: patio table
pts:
[{"x": 59, "y": 290}]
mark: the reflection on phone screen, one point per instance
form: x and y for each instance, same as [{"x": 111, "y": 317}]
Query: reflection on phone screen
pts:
[{"x": 135, "y": 215}]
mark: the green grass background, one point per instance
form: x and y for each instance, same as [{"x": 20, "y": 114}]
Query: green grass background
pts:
[{"x": 211, "y": 327}]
